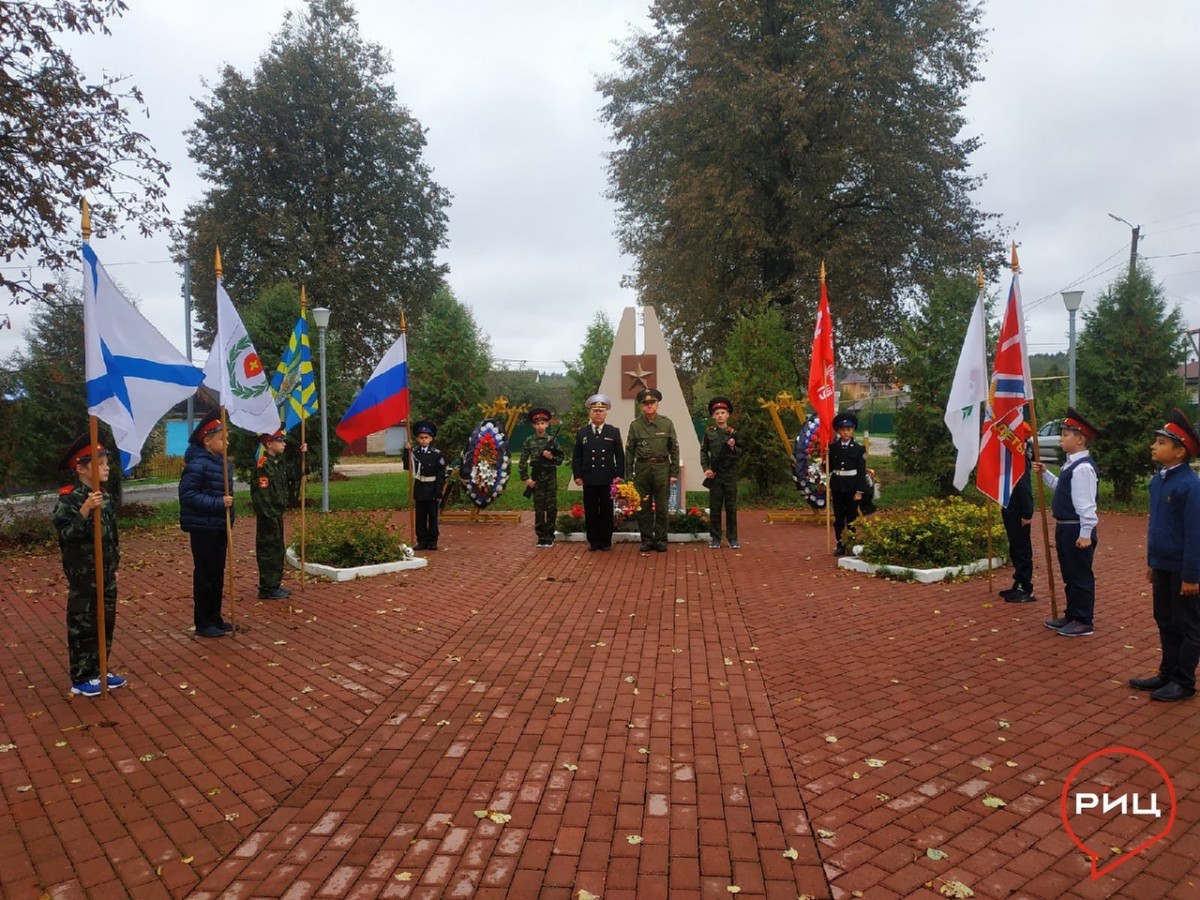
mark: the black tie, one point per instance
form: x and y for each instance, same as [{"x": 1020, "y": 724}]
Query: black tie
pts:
[{"x": 597, "y": 430}]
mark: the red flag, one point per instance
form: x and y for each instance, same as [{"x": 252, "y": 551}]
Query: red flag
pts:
[
  {"x": 822, "y": 392},
  {"x": 1002, "y": 453}
]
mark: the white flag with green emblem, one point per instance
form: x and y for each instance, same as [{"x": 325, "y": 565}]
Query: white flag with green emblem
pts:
[
  {"x": 970, "y": 388},
  {"x": 235, "y": 372}
]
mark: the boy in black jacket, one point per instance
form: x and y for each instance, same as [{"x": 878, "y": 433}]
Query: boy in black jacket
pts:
[{"x": 203, "y": 500}]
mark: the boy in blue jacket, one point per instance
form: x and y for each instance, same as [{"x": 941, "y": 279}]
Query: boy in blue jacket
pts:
[
  {"x": 1173, "y": 556},
  {"x": 203, "y": 499}
]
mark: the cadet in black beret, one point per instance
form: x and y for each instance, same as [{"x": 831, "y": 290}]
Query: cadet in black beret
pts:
[
  {"x": 429, "y": 479},
  {"x": 719, "y": 459},
  {"x": 1173, "y": 559},
  {"x": 76, "y": 539},
  {"x": 540, "y": 458},
  {"x": 847, "y": 476}
]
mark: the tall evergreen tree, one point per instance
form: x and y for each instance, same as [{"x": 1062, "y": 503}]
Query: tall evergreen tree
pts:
[
  {"x": 757, "y": 361},
  {"x": 318, "y": 179},
  {"x": 1127, "y": 374},
  {"x": 449, "y": 360},
  {"x": 758, "y": 137},
  {"x": 587, "y": 371},
  {"x": 930, "y": 342}
]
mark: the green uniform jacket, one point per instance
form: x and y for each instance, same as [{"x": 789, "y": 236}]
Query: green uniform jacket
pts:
[
  {"x": 77, "y": 543},
  {"x": 651, "y": 441},
  {"x": 715, "y": 453},
  {"x": 532, "y": 461},
  {"x": 269, "y": 487}
]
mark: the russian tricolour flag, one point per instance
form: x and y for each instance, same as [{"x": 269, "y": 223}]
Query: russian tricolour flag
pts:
[{"x": 383, "y": 401}]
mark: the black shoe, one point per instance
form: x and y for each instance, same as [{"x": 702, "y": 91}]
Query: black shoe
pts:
[
  {"x": 1172, "y": 691},
  {"x": 431, "y": 548},
  {"x": 647, "y": 547},
  {"x": 661, "y": 546},
  {"x": 1008, "y": 592},
  {"x": 606, "y": 547},
  {"x": 592, "y": 547},
  {"x": 418, "y": 546},
  {"x": 1019, "y": 596},
  {"x": 1057, "y": 624},
  {"x": 1151, "y": 683},
  {"x": 277, "y": 594},
  {"x": 839, "y": 550},
  {"x": 211, "y": 631}
]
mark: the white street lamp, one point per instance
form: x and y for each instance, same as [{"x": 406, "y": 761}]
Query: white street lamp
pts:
[
  {"x": 1071, "y": 300},
  {"x": 321, "y": 319}
]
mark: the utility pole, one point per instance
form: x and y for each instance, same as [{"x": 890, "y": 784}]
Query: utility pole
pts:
[{"x": 1136, "y": 230}]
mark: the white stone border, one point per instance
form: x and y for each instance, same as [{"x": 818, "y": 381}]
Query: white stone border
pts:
[
  {"x": 629, "y": 537},
  {"x": 358, "y": 571},
  {"x": 924, "y": 576}
]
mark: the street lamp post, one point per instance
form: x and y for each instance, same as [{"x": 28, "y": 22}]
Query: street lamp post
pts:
[
  {"x": 321, "y": 319},
  {"x": 1071, "y": 300}
]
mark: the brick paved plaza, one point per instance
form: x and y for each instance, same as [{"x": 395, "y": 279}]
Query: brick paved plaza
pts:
[{"x": 626, "y": 725}]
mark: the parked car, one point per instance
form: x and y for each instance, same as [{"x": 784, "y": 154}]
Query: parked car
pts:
[{"x": 1050, "y": 441}]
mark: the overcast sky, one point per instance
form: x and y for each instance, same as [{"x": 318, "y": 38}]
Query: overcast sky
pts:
[{"x": 1088, "y": 107}]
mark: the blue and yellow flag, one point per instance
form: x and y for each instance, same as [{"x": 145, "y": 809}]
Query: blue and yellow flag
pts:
[{"x": 294, "y": 385}]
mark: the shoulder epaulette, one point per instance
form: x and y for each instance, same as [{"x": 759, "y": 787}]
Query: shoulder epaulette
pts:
[
  {"x": 66, "y": 489},
  {"x": 262, "y": 461}
]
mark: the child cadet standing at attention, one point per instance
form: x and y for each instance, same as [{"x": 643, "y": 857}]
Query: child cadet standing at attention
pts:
[
  {"x": 540, "y": 458},
  {"x": 719, "y": 460},
  {"x": 429, "y": 478},
  {"x": 76, "y": 539},
  {"x": 847, "y": 476},
  {"x": 1173, "y": 559},
  {"x": 202, "y": 504},
  {"x": 1076, "y": 489},
  {"x": 269, "y": 496}
]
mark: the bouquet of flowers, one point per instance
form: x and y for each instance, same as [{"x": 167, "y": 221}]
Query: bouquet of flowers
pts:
[{"x": 626, "y": 500}]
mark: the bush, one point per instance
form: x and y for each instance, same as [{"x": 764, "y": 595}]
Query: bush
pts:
[
  {"x": 346, "y": 541},
  {"x": 26, "y": 528},
  {"x": 693, "y": 521},
  {"x": 929, "y": 534}
]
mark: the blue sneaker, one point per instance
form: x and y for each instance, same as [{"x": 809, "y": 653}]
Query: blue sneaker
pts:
[
  {"x": 87, "y": 688},
  {"x": 114, "y": 681},
  {"x": 211, "y": 631}
]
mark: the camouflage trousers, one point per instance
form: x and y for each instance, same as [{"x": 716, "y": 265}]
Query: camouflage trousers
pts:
[
  {"x": 722, "y": 497},
  {"x": 83, "y": 647},
  {"x": 268, "y": 551},
  {"x": 545, "y": 509},
  {"x": 653, "y": 482}
]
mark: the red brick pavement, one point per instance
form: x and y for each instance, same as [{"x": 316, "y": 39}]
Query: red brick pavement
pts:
[{"x": 580, "y": 701}]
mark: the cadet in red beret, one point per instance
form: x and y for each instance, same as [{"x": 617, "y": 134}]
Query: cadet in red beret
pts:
[
  {"x": 269, "y": 497},
  {"x": 1074, "y": 506},
  {"x": 1173, "y": 559},
  {"x": 719, "y": 453}
]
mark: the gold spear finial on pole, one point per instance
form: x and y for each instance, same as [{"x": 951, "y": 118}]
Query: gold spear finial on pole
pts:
[
  {"x": 1016, "y": 266},
  {"x": 979, "y": 277},
  {"x": 217, "y": 261},
  {"x": 87, "y": 221}
]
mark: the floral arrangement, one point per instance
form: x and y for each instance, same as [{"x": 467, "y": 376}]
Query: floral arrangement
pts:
[
  {"x": 807, "y": 474},
  {"x": 488, "y": 463},
  {"x": 569, "y": 523},
  {"x": 626, "y": 501},
  {"x": 929, "y": 534}
]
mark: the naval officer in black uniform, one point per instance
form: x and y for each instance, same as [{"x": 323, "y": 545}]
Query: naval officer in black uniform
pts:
[{"x": 597, "y": 460}]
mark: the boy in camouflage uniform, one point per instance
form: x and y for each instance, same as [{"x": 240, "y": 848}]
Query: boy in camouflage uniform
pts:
[
  {"x": 719, "y": 459},
  {"x": 73, "y": 522},
  {"x": 269, "y": 496},
  {"x": 540, "y": 457}
]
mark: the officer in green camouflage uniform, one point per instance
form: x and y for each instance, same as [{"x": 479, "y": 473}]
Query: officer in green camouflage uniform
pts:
[
  {"x": 719, "y": 460},
  {"x": 540, "y": 457},
  {"x": 75, "y": 526},
  {"x": 269, "y": 496},
  {"x": 652, "y": 464}
]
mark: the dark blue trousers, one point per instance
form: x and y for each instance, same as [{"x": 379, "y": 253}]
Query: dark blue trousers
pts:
[
  {"x": 1079, "y": 584},
  {"x": 1178, "y": 620}
]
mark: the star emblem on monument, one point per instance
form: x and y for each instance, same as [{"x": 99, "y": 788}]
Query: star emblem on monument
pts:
[{"x": 638, "y": 374}]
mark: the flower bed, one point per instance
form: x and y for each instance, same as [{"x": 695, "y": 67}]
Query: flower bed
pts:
[
  {"x": 681, "y": 527},
  {"x": 335, "y": 574},
  {"x": 924, "y": 576},
  {"x": 930, "y": 534}
]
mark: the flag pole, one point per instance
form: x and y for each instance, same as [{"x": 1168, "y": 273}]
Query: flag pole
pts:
[
  {"x": 991, "y": 585},
  {"x": 825, "y": 457},
  {"x": 97, "y": 520},
  {"x": 1041, "y": 485},
  {"x": 303, "y": 458},
  {"x": 412, "y": 509},
  {"x": 229, "y": 558}
]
